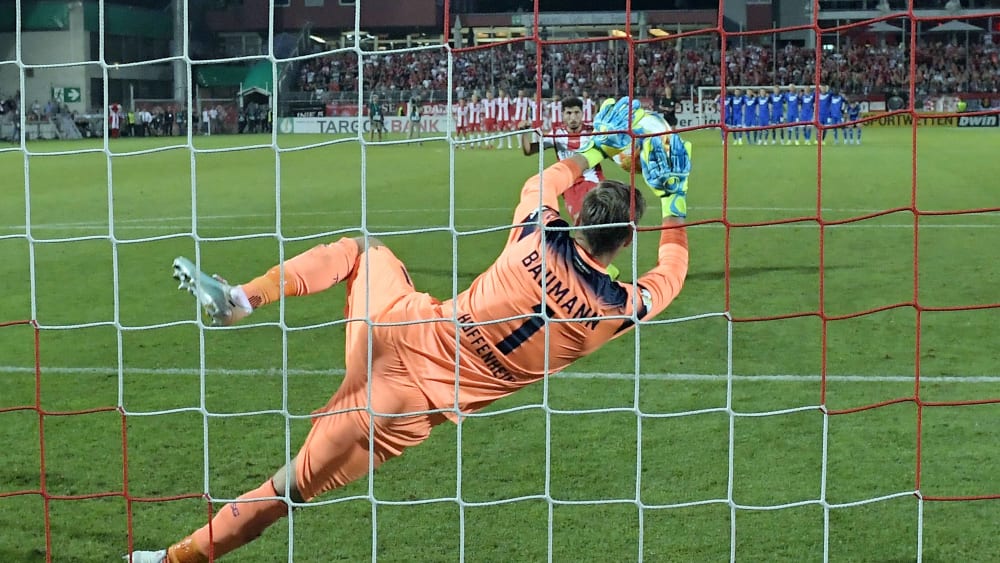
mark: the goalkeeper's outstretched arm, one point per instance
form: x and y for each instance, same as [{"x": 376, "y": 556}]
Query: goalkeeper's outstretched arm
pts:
[
  {"x": 543, "y": 190},
  {"x": 665, "y": 169},
  {"x": 663, "y": 283}
]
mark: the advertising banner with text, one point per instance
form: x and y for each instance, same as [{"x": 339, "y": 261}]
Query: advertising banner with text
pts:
[
  {"x": 429, "y": 124},
  {"x": 349, "y": 125},
  {"x": 906, "y": 120},
  {"x": 979, "y": 121}
]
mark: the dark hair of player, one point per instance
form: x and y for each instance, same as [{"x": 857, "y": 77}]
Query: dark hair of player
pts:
[
  {"x": 610, "y": 202},
  {"x": 572, "y": 103}
]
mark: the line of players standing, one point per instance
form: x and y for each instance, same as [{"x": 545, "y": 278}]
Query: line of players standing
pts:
[
  {"x": 482, "y": 117},
  {"x": 796, "y": 107}
]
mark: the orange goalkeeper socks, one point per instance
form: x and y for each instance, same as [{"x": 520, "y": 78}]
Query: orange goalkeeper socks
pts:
[
  {"x": 235, "y": 525},
  {"x": 315, "y": 270}
]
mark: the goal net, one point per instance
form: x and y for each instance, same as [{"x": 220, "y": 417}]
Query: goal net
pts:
[{"x": 824, "y": 387}]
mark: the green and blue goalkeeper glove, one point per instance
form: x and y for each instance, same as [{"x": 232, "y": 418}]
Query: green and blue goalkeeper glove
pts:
[
  {"x": 611, "y": 126},
  {"x": 666, "y": 169}
]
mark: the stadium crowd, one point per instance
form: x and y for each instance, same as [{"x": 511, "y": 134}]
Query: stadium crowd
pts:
[
  {"x": 600, "y": 69},
  {"x": 941, "y": 68}
]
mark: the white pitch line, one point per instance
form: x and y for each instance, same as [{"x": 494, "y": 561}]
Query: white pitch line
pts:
[{"x": 567, "y": 375}]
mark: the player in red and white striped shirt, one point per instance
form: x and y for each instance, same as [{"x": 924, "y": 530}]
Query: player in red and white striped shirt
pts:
[
  {"x": 566, "y": 140},
  {"x": 522, "y": 111},
  {"x": 589, "y": 108},
  {"x": 555, "y": 111},
  {"x": 115, "y": 120},
  {"x": 489, "y": 105},
  {"x": 504, "y": 120},
  {"x": 460, "y": 113},
  {"x": 476, "y": 120}
]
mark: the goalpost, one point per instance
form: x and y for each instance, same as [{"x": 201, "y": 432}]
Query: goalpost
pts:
[
  {"x": 707, "y": 102},
  {"x": 649, "y": 455}
]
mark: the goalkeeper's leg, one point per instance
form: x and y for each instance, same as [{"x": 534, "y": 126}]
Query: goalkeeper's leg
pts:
[
  {"x": 225, "y": 304},
  {"x": 326, "y": 265},
  {"x": 336, "y": 452},
  {"x": 315, "y": 270}
]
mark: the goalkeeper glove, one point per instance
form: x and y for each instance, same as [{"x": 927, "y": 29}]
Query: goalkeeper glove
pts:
[
  {"x": 666, "y": 169},
  {"x": 613, "y": 116}
]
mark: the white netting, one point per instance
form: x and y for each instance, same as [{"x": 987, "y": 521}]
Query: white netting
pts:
[
  {"x": 648, "y": 504},
  {"x": 631, "y": 368}
]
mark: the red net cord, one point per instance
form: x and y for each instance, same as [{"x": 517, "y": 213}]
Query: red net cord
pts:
[{"x": 817, "y": 217}]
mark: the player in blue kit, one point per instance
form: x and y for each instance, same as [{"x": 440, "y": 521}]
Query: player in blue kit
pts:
[
  {"x": 763, "y": 115},
  {"x": 836, "y": 116},
  {"x": 823, "y": 105},
  {"x": 853, "y": 132},
  {"x": 792, "y": 114},
  {"x": 739, "y": 104},
  {"x": 726, "y": 109},
  {"x": 750, "y": 116},
  {"x": 777, "y": 107},
  {"x": 806, "y": 110}
]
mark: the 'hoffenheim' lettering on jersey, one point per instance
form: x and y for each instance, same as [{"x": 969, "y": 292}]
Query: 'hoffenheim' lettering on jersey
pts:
[
  {"x": 738, "y": 102},
  {"x": 836, "y": 105},
  {"x": 762, "y": 110},
  {"x": 793, "y": 106}
]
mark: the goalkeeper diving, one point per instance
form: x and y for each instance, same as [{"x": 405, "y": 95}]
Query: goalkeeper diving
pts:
[{"x": 401, "y": 371}]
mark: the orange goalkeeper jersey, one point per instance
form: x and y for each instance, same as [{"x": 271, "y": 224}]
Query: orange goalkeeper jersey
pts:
[{"x": 543, "y": 292}]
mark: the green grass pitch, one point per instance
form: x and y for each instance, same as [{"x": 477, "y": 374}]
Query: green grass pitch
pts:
[{"x": 627, "y": 479}]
